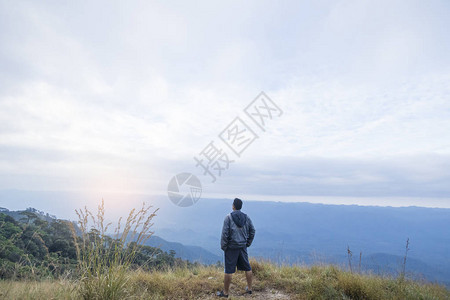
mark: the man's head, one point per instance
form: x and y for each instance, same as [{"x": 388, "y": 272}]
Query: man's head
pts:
[{"x": 237, "y": 204}]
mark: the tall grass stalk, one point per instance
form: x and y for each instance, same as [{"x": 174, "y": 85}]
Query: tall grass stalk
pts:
[
  {"x": 103, "y": 261},
  {"x": 349, "y": 255},
  {"x": 403, "y": 273}
]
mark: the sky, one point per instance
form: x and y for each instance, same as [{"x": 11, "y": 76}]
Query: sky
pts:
[{"x": 120, "y": 96}]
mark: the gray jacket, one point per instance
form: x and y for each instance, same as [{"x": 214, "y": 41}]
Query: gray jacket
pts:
[{"x": 237, "y": 231}]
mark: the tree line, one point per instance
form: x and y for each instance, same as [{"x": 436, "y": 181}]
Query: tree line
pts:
[{"x": 36, "y": 247}]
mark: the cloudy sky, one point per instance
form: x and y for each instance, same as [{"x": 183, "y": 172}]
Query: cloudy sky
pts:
[{"x": 106, "y": 96}]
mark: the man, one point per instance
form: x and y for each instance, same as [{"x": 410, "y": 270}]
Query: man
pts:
[{"x": 237, "y": 234}]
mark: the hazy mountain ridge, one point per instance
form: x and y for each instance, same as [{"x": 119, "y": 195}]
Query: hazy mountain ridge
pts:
[
  {"x": 186, "y": 252},
  {"x": 388, "y": 264}
]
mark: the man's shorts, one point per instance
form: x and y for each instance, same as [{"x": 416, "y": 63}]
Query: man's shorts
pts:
[{"x": 236, "y": 258}]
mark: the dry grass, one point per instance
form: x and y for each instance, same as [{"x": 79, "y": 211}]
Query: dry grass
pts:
[
  {"x": 32, "y": 290},
  {"x": 297, "y": 282},
  {"x": 182, "y": 283},
  {"x": 331, "y": 282},
  {"x": 103, "y": 261}
]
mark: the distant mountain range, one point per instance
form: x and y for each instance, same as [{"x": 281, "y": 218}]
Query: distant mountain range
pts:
[
  {"x": 387, "y": 264},
  {"x": 191, "y": 253}
]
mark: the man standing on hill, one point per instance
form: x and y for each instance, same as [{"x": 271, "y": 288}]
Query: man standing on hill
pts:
[{"x": 237, "y": 234}]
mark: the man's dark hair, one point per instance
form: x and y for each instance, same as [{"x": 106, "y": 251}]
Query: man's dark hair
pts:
[{"x": 237, "y": 203}]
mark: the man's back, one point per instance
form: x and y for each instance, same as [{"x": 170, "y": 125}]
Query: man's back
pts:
[{"x": 238, "y": 231}]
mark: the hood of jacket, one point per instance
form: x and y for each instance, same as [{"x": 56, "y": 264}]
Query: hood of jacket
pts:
[{"x": 239, "y": 218}]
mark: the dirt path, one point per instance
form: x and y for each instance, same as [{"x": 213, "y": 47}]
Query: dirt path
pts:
[{"x": 269, "y": 294}]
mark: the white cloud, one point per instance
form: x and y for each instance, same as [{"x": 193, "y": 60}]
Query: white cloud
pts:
[{"x": 119, "y": 95}]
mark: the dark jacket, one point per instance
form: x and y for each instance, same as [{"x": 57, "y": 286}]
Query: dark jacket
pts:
[{"x": 237, "y": 231}]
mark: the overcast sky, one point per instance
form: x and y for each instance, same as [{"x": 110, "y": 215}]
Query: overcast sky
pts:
[{"x": 104, "y": 96}]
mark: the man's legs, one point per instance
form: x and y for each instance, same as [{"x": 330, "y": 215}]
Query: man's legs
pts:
[
  {"x": 227, "y": 283},
  {"x": 231, "y": 257},
  {"x": 244, "y": 265},
  {"x": 249, "y": 277}
]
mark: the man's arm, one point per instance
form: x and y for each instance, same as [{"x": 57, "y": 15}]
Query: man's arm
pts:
[
  {"x": 251, "y": 232},
  {"x": 225, "y": 233}
]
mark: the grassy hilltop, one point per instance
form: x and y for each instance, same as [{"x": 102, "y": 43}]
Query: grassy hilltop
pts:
[{"x": 201, "y": 282}]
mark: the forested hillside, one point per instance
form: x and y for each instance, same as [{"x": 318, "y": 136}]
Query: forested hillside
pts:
[{"x": 33, "y": 245}]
